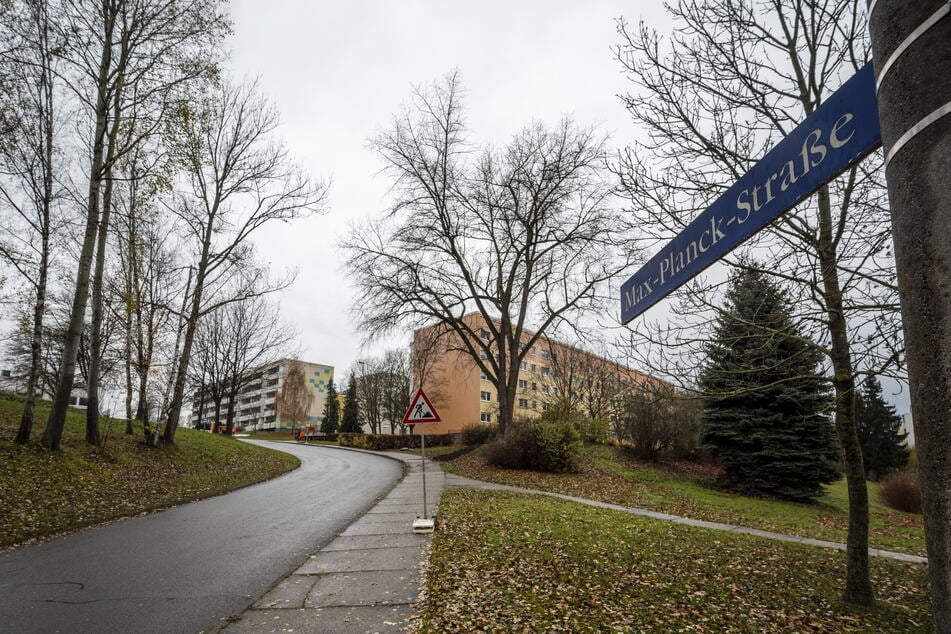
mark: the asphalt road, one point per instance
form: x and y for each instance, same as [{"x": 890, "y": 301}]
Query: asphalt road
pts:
[{"x": 185, "y": 569}]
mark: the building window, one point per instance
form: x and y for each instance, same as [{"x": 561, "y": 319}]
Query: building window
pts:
[
  {"x": 534, "y": 404},
  {"x": 486, "y": 396},
  {"x": 544, "y": 407},
  {"x": 534, "y": 385},
  {"x": 522, "y": 384},
  {"x": 523, "y": 403},
  {"x": 484, "y": 334},
  {"x": 533, "y": 350},
  {"x": 483, "y": 355},
  {"x": 523, "y": 365},
  {"x": 544, "y": 354},
  {"x": 544, "y": 371},
  {"x": 544, "y": 389},
  {"x": 534, "y": 368},
  {"x": 483, "y": 376},
  {"x": 485, "y": 417}
]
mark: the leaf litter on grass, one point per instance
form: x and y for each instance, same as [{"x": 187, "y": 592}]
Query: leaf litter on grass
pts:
[{"x": 504, "y": 562}]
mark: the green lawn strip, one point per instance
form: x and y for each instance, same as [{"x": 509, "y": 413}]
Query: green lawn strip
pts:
[
  {"x": 504, "y": 562},
  {"x": 44, "y": 492},
  {"x": 610, "y": 476}
]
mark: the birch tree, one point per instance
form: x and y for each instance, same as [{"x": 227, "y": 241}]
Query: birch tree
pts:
[
  {"x": 123, "y": 55},
  {"x": 29, "y": 158}
]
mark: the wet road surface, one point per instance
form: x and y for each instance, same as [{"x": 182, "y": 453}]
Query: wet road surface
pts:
[{"x": 188, "y": 568}]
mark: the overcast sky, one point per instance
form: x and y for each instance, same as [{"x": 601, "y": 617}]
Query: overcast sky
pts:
[{"x": 338, "y": 71}]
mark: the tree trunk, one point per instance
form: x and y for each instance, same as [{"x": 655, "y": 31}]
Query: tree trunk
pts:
[
  {"x": 229, "y": 423},
  {"x": 191, "y": 325},
  {"x": 858, "y": 587},
  {"x": 36, "y": 348},
  {"x": 128, "y": 332},
  {"x": 53, "y": 433},
  {"x": 95, "y": 337}
]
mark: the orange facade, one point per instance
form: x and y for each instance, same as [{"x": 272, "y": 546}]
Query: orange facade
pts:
[{"x": 463, "y": 396}]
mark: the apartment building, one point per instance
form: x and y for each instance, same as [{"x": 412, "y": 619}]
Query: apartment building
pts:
[
  {"x": 256, "y": 409},
  {"x": 550, "y": 371}
]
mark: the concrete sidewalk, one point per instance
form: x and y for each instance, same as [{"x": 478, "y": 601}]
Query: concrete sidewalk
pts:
[{"x": 365, "y": 580}]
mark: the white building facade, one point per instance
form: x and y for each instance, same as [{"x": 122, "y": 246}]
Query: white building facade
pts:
[{"x": 256, "y": 408}]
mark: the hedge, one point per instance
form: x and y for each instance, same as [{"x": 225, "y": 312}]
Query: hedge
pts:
[{"x": 385, "y": 442}]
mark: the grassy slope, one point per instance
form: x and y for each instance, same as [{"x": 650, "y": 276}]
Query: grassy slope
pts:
[
  {"x": 503, "y": 562},
  {"x": 610, "y": 476},
  {"x": 43, "y": 492}
]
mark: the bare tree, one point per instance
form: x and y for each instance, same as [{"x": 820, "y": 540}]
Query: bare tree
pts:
[
  {"x": 384, "y": 390},
  {"x": 124, "y": 54},
  {"x": 29, "y": 158},
  {"x": 657, "y": 421},
  {"x": 736, "y": 79},
  {"x": 148, "y": 275},
  {"x": 370, "y": 385},
  {"x": 586, "y": 383},
  {"x": 237, "y": 178},
  {"x": 521, "y": 238},
  {"x": 255, "y": 336},
  {"x": 294, "y": 400}
]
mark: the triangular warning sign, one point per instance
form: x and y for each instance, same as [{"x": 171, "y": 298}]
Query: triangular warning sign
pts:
[{"x": 420, "y": 410}]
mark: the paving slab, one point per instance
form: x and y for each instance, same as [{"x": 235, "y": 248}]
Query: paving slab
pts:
[
  {"x": 290, "y": 592},
  {"x": 405, "y": 558},
  {"x": 352, "y": 620},
  {"x": 385, "y": 527},
  {"x": 362, "y": 542},
  {"x": 379, "y": 587}
]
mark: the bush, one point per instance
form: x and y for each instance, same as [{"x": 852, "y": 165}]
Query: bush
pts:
[
  {"x": 542, "y": 445},
  {"x": 901, "y": 491},
  {"x": 659, "y": 424},
  {"x": 390, "y": 442},
  {"x": 478, "y": 434},
  {"x": 593, "y": 430},
  {"x": 559, "y": 446}
]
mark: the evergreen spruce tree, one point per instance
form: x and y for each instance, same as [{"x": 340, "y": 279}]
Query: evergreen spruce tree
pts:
[
  {"x": 351, "y": 409},
  {"x": 766, "y": 406},
  {"x": 879, "y": 430},
  {"x": 331, "y": 421}
]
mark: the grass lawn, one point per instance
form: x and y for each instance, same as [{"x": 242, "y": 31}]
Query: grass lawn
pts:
[
  {"x": 513, "y": 563},
  {"x": 44, "y": 492},
  {"x": 609, "y": 475}
]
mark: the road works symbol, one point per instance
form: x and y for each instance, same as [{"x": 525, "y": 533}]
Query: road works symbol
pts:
[{"x": 421, "y": 410}]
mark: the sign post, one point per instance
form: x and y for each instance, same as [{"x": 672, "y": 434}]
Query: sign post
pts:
[
  {"x": 910, "y": 42},
  {"x": 420, "y": 412}
]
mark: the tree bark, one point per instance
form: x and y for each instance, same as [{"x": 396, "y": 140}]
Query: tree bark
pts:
[{"x": 95, "y": 335}]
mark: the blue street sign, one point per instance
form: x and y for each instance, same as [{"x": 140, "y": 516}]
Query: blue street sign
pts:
[{"x": 841, "y": 132}]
